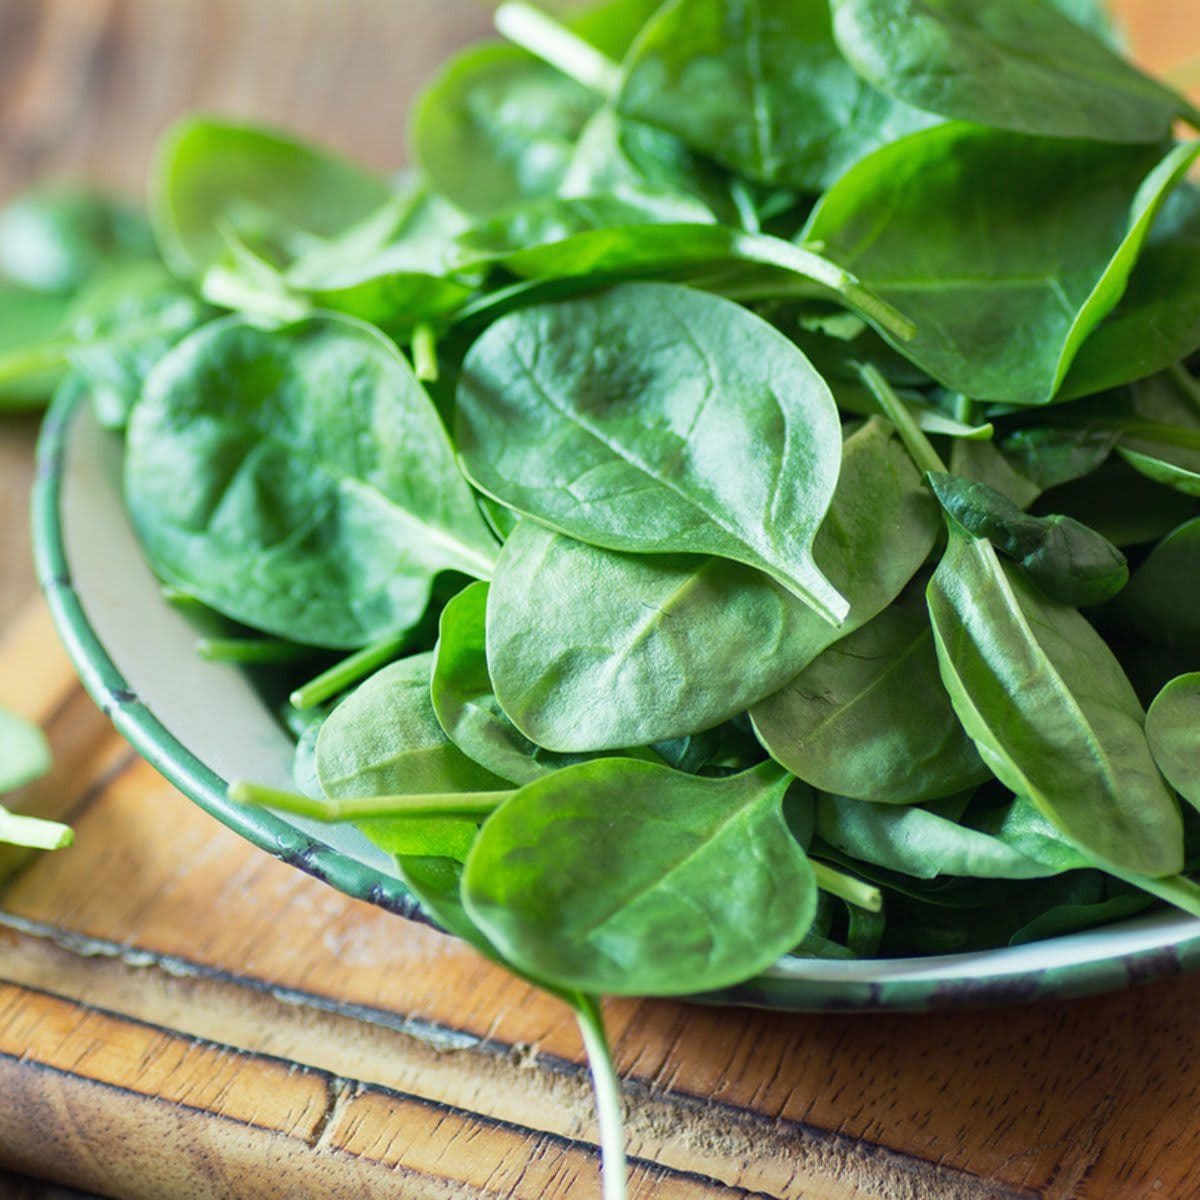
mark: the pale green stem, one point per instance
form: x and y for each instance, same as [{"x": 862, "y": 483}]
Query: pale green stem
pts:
[
  {"x": 33, "y": 832},
  {"x": 349, "y": 671},
  {"x": 361, "y": 808},
  {"x": 610, "y": 1107},
  {"x": 1187, "y": 383},
  {"x": 744, "y": 203},
  {"x": 846, "y": 887},
  {"x": 248, "y": 651},
  {"x": 918, "y": 445},
  {"x": 424, "y": 352},
  {"x": 545, "y": 38}
]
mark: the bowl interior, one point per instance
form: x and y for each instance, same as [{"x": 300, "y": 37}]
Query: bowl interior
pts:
[{"x": 203, "y": 723}]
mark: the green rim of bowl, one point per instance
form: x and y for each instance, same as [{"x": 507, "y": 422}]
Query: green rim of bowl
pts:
[{"x": 905, "y": 984}]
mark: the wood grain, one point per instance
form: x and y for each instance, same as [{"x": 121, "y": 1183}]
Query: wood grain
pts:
[{"x": 181, "y": 1016}]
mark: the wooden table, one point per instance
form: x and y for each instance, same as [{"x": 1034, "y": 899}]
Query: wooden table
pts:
[{"x": 182, "y": 1016}]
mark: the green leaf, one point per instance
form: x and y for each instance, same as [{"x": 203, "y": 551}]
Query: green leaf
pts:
[
  {"x": 300, "y": 481},
  {"x": 626, "y": 878},
  {"x": 638, "y": 649},
  {"x": 870, "y": 718},
  {"x": 383, "y": 740},
  {"x": 1051, "y": 711},
  {"x": 760, "y": 86},
  {"x": 24, "y": 752},
  {"x": 920, "y": 843},
  {"x": 1069, "y": 562},
  {"x": 54, "y": 241},
  {"x": 1006, "y": 251},
  {"x": 276, "y": 194},
  {"x": 33, "y": 345},
  {"x": 1010, "y": 64},
  {"x": 1173, "y": 730},
  {"x": 654, "y": 419},
  {"x": 121, "y": 327}
]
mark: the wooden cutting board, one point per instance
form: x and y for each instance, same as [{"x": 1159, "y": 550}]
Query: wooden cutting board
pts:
[{"x": 183, "y": 1017}]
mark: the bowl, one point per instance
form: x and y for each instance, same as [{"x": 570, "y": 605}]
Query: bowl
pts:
[{"x": 202, "y": 723}]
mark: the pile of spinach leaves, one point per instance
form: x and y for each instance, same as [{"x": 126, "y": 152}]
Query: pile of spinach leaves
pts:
[{"x": 738, "y": 495}]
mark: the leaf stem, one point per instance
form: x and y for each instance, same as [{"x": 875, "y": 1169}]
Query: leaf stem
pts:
[
  {"x": 744, "y": 203},
  {"x": 34, "y": 361},
  {"x": 424, "y": 352},
  {"x": 846, "y": 887},
  {"x": 249, "y": 650},
  {"x": 1187, "y": 383},
  {"x": 545, "y": 38},
  {"x": 33, "y": 832},
  {"x": 349, "y": 671},
  {"x": 360, "y": 808},
  {"x": 914, "y": 439},
  {"x": 610, "y": 1107}
]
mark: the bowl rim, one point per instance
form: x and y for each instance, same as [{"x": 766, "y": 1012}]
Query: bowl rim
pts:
[{"x": 938, "y": 981}]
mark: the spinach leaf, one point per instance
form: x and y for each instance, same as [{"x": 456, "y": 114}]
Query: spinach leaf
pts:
[
  {"x": 33, "y": 345},
  {"x": 1010, "y": 64},
  {"x": 1157, "y": 322},
  {"x": 56, "y": 241},
  {"x": 1069, "y": 562},
  {"x": 1050, "y": 457},
  {"x": 121, "y": 327},
  {"x": 1159, "y": 604},
  {"x": 655, "y": 419},
  {"x": 638, "y": 649},
  {"x": 985, "y": 462},
  {"x": 1051, "y": 711},
  {"x": 299, "y": 481},
  {"x": 1006, "y": 251},
  {"x": 760, "y": 86},
  {"x": 921, "y": 843},
  {"x": 384, "y": 739},
  {"x": 627, "y": 878},
  {"x": 870, "y": 718},
  {"x": 1173, "y": 730},
  {"x": 274, "y": 193}
]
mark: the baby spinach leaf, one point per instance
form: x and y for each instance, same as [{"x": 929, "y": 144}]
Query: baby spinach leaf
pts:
[
  {"x": 121, "y": 327},
  {"x": 1173, "y": 730},
  {"x": 299, "y": 481},
  {"x": 383, "y": 740},
  {"x": 627, "y": 878},
  {"x": 655, "y": 419},
  {"x": 1006, "y": 251},
  {"x": 1069, "y": 562},
  {"x": 498, "y": 127},
  {"x": 34, "y": 343},
  {"x": 1157, "y": 322},
  {"x": 870, "y": 718},
  {"x": 637, "y": 649},
  {"x": 920, "y": 843},
  {"x": 1051, "y": 711},
  {"x": 275, "y": 193},
  {"x": 1010, "y": 64},
  {"x": 1050, "y": 457},
  {"x": 985, "y": 462},
  {"x": 57, "y": 240},
  {"x": 1159, "y": 604},
  {"x": 760, "y": 86}
]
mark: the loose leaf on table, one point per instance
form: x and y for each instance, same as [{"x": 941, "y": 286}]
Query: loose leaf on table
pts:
[
  {"x": 870, "y": 718},
  {"x": 56, "y": 241},
  {"x": 1051, "y": 711},
  {"x": 1157, "y": 322},
  {"x": 1159, "y": 605},
  {"x": 274, "y": 193},
  {"x": 121, "y": 327},
  {"x": 655, "y": 419},
  {"x": 626, "y": 878},
  {"x": 1006, "y": 251},
  {"x": 760, "y": 86},
  {"x": 1173, "y": 730},
  {"x": 1010, "y": 64},
  {"x": 636, "y": 649},
  {"x": 926, "y": 845},
  {"x": 1069, "y": 562},
  {"x": 385, "y": 740},
  {"x": 300, "y": 481}
]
